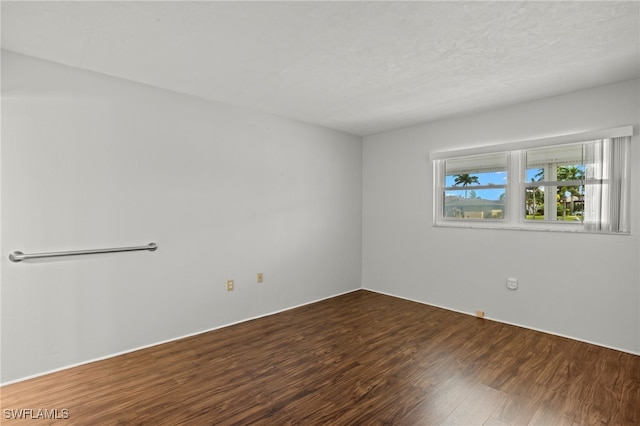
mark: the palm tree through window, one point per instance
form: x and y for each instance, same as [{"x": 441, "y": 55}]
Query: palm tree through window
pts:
[{"x": 475, "y": 187}]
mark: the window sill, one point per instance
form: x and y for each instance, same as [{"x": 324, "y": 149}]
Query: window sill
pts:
[{"x": 504, "y": 225}]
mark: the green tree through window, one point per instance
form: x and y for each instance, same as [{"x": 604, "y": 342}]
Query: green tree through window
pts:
[{"x": 465, "y": 180}]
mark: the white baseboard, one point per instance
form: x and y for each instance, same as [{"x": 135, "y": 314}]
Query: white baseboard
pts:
[{"x": 506, "y": 322}]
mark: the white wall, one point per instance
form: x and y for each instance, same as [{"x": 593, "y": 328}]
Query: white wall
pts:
[
  {"x": 89, "y": 161},
  {"x": 579, "y": 285}
]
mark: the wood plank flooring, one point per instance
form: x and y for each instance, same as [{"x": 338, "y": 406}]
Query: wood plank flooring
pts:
[{"x": 357, "y": 359}]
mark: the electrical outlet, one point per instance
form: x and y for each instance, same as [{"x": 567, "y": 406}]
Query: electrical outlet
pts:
[
  {"x": 260, "y": 278},
  {"x": 229, "y": 285},
  {"x": 512, "y": 283}
]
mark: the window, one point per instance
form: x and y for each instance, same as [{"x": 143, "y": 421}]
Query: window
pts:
[
  {"x": 475, "y": 187},
  {"x": 572, "y": 183},
  {"x": 554, "y": 183}
]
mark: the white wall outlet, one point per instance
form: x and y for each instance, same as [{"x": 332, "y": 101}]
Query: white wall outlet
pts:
[
  {"x": 512, "y": 283},
  {"x": 229, "y": 285}
]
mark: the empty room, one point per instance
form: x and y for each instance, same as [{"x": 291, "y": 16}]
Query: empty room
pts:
[{"x": 320, "y": 212}]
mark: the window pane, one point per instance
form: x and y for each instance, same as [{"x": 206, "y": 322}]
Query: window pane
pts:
[
  {"x": 535, "y": 174},
  {"x": 566, "y": 203},
  {"x": 560, "y": 171},
  {"x": 486, "y": 170},
  {"x": 477, "y": 178},
  {"x": 474, "y": 204},
  {"x": 474, "y": 187}
]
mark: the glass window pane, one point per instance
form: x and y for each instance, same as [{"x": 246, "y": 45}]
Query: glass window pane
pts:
[
  {"x": 467, "y": 172},
  {"x": 570, "y": 172},
  {"x": 534, "y": 203},
  {"x": 535, "y": 174},
  {"x": 567, "y": 203},
  {"x": 474, "y": 203},
  {"x": 478, "y": 178}
]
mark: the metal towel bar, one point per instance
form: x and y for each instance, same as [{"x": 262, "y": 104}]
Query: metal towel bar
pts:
[{"x": 18, "y": 256}]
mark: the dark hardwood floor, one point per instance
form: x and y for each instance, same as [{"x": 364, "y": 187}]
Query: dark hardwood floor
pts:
[{"x": 360, "y": 358}]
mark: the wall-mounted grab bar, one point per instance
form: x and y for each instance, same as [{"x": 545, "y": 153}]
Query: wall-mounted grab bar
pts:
[{"x": 18, "y": 256}]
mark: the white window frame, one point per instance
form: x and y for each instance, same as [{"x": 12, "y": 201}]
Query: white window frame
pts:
[
  {"x": 443, "y": 189},
  {"x": 515, "y": 208}
]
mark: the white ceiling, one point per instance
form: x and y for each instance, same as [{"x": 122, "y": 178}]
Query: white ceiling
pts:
[{"x": 361, "y": 67}]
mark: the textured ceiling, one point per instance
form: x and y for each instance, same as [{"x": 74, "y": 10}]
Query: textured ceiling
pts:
[{"x": 360, "y": 67}]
